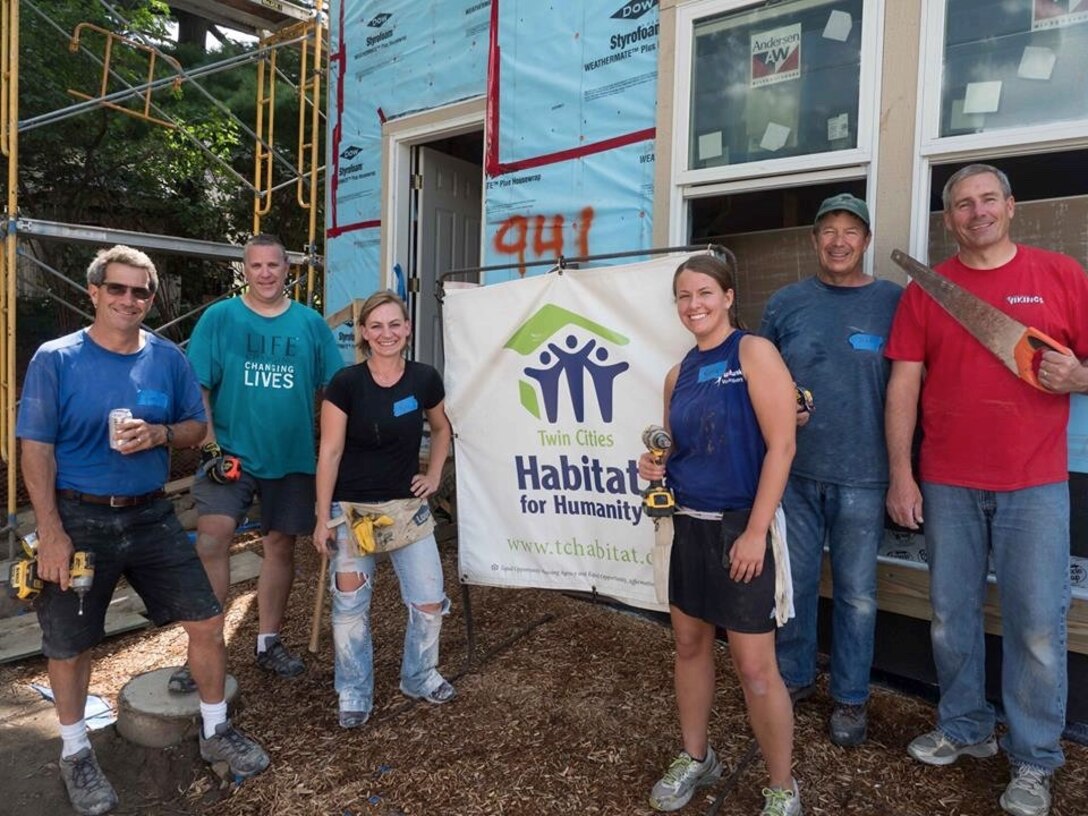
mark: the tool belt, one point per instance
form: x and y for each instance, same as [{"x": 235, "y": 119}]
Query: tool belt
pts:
[
  {"x": 386, "y": 526},
  {"x": 111, "y": 501}
]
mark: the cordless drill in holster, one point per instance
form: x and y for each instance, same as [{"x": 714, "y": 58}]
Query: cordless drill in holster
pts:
[{"x": 221, "y": 468}]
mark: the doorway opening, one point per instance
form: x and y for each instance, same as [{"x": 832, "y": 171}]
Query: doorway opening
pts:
[{"x": 446, "y": 218}]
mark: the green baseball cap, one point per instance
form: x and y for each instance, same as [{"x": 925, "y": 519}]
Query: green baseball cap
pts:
[{"x": 846, "y": 203}]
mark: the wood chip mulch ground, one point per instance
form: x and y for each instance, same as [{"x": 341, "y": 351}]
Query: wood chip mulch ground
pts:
[{"x": 567, "y": 708}]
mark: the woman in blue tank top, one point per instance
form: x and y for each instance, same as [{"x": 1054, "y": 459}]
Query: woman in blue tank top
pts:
[{"x": 731, "y": 411}]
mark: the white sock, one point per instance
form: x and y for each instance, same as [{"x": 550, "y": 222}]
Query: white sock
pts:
[
  {"x": 212, "y": 714},
  {"x": 75, "y": 738},
  {"x": 262, "y": 640}
]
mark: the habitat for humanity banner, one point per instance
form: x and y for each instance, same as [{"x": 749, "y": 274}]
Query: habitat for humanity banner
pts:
[
  {"x": 570, "y": 145},
  {"x": 550, "y": 381}
]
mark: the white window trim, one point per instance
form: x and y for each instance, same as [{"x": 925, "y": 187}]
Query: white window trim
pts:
[
  {"x": 399, "y": 136},
  {"x": 1050, "y": 136},
  {"x": 869, "y": 84},
  {"x": 931, "y": 148},
  {"x": 793, "y": 171}
]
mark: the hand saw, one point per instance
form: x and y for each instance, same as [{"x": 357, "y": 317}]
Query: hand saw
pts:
[{"x": 1017, "y": 346}]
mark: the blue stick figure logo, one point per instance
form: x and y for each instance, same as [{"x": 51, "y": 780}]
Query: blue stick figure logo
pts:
[{"x": 551, "y": 339}]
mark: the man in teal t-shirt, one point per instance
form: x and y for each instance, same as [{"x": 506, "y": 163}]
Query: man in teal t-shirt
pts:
[{"x": 260, "y": 359}]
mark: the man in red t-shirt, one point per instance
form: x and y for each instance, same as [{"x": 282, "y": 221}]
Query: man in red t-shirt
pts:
[{"x": 994, "y": 471}]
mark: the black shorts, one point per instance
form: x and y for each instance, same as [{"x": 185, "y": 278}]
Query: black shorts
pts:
[
  {"x": 287, "y": 503},
  {"x": 700, "y": 586},
  {"x": 148, "y": 546}
]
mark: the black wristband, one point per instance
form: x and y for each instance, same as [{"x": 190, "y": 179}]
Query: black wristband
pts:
[{"x": 169, "y": 436}]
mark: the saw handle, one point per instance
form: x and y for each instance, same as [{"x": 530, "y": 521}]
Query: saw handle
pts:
[{"x": 1029, "y": 351}]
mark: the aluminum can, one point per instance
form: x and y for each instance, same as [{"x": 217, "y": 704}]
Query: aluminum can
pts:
[
  {"x": 117, "y": 416},
  {"x": 30, "y": 543}
]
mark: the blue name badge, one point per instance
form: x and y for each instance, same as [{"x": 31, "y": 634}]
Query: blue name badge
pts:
[
  {"x": 711, "y": 372},
  {"x": 405, "y": 406},
  {"x": 152, "y": 399},
  {"x": 860, "y": 341}
]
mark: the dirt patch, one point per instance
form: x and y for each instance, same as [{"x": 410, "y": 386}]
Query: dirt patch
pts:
[{"x": 567, "y": 708}]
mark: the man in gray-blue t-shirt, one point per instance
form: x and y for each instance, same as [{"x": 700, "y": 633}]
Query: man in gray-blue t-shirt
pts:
[{"x": 831, "y": 330}]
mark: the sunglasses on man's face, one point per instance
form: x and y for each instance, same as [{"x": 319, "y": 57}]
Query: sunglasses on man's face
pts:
[{"x": 119, "y": 289}]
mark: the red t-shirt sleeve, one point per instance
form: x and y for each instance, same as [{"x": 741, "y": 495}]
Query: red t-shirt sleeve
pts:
[{"x": 907, "y": 340}]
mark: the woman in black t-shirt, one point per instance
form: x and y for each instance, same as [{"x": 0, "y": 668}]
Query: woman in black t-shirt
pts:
[{"x": 368, "y": 479}]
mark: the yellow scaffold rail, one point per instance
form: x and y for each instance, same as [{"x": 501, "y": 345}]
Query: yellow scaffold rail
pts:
[
  {"x": 153, "y": 54},
  {"x": 309, "y": 102},
  {"x": 313, "y": 34},
  {"x": 9, "y": 145},
  {"x": 265, "y": 130}
]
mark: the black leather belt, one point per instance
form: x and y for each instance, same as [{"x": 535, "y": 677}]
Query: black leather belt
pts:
[{"x": 111, "y": 501}]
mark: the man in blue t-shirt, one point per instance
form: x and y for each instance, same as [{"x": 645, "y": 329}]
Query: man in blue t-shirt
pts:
[
  {"x": 261, "y": 359},
  {"x": 99, "y": 489},
  {"x": 831, "y": 330}
]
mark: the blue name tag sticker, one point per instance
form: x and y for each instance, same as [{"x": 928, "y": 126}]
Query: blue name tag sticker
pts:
[
  {"x": 711, "y": 372},
  {"x": 152, "y": 399},
  {"x": 866, "y": 342},
  {"x": 405, "y": 406}
]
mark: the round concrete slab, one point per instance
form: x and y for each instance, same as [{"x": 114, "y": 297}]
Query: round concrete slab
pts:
[{"x": 149, "y": 715}]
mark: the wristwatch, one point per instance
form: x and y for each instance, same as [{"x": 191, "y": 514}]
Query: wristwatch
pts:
[{"x": 169, "y": 436}]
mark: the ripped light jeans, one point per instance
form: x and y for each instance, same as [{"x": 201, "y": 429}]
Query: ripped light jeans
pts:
[
  {"x": 419, "y": 571},
  {"x": 1027, "y": 531}
]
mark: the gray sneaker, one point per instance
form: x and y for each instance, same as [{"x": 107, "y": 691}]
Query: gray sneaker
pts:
[
  {"x": 677, "y": 786},
  {"x": 935, "y": 748},
  {"x": 88, "y": 789},
  {"x": 781, "y": 802},
  {"x": 242, "y": 754},
  {"x": 276, "y": 659},
  {"x": 799, "y": 694},
  {"x": 1028, "y": 793},
  {"x": 441, "y": 695},
  {"x": 353, "y": 719},
  {"x": 849, "y": 725},
  {"x": 181, "y": 681}
]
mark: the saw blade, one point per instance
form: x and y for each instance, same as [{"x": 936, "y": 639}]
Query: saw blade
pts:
[{"x": 998, "y": 332}]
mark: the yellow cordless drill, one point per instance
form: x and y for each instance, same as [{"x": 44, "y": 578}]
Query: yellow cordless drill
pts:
[
  {"x": 25, "y": 582},
  {"x": 657, "y": 499}
]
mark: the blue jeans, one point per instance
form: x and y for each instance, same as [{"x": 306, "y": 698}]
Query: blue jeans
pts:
[
  {"x": 419, "y": 571},
  {"x": 1028, "y": 533},
  {"x": 851, "y": 521}
]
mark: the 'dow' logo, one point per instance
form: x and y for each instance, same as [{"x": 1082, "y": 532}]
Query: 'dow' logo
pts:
[
  {"x": 351, "y": 152},
  {"x": 556, "y": 337},
  {"x": 634, "y": 9},
  {"x": 379, "y": 20}
]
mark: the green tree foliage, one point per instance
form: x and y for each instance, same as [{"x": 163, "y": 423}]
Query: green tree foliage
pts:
[{"x": 103, "y": 167}]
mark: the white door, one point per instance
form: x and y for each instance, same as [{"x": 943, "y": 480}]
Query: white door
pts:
[{"x": 450, "y": 206}]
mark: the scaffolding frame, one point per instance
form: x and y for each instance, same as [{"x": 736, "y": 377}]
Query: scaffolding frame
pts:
[{"x": 278, "y": 24}]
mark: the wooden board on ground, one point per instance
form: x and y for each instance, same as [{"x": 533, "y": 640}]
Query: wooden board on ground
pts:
[
  {"x": 20, "y": 635},
  {"x": 904, "y": 589},
  {"x": 243, "y": 566}
]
